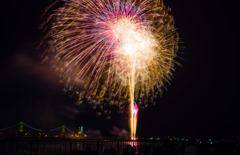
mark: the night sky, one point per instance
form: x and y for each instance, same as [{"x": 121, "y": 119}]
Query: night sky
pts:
[{"x": 201, "y": 101}]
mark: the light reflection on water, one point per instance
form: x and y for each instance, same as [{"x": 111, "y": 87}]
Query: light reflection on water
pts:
[{"x": 52, "y": 147}]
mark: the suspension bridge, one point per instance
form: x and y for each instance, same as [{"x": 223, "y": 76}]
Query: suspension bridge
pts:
[{"x": 23, "y": 129}]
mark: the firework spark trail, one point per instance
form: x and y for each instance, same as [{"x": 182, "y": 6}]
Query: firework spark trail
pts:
[
  {"x": 115, "y": 51},
  {"x": 134, "y": 121}
]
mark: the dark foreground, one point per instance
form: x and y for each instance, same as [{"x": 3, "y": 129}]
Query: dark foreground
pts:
[{"x": 170, "y": 146}]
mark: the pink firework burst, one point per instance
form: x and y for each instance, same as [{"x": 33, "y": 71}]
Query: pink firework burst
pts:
[{"x": 112, "y": 50}]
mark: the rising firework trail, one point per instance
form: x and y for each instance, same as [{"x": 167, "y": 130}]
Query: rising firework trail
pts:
[
  {"x": 112, "y": 52},
  {"x": 134, "y": 116}
]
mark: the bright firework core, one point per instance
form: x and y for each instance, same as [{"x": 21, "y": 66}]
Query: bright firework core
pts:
[{"x": 133, "y": 40}]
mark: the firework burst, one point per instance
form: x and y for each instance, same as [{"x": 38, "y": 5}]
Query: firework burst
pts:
[{"x": 113, "y": 51}]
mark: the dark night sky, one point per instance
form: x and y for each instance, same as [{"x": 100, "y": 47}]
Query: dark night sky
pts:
[{"x": 202, "y": 99}]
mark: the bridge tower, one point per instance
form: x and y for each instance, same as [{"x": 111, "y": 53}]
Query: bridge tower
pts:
[
  {"x": 21, "y": 127},
  {"x": 63, "y": 129}
]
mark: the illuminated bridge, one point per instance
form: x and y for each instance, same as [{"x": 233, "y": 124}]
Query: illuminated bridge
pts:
[{"x": 22, "y": 129}]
